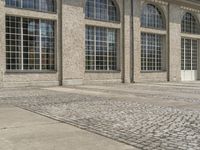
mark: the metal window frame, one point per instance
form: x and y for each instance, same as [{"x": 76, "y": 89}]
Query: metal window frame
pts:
[
  {"x": 147, "y": 15},
  {"x": 157, "y": 67},
  {"x": 40, "y": 48},
  {"x": 191, "y": 55},
  {"x": 107, "y": 50},
  {"x": 54, "y": 6},
  {"x": 189, "y": 24},
  {"x": 105, "y": 18}
]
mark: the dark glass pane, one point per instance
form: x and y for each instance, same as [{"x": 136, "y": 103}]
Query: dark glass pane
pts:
[
  {"x": 41, "y": 5},
  {"x": 101, "y": 10},
  {"x": 190, "y": 24},
  {"x": 152, "y": 17}
]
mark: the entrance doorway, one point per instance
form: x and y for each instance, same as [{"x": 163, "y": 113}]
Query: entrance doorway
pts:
[{"x": 189, "y": 59}]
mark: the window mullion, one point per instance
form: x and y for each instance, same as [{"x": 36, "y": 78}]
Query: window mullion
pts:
[
  {"x": 191, "y": 54},
  {"x": 107, "y": 10},
  {"x": 95, "y": 13},
  {"x": 156, "y": 49},
  {"x": 95, "y": 34},
  {"x": 21, "y": 3},
  {"x": 39, "y": 5},
  {"x": 147, "y": 18},
  {"x": 22, "y": 45},
  {"x": 146, "y": 51},
  {"x": 184, "y": 55},
  {"x": 107, "y": 49},
  {"x": 40, "y": 44},
  {"x": 197, "y": 50}
]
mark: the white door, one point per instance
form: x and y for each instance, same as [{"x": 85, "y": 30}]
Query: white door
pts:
[{"x": 189, "y": 52}]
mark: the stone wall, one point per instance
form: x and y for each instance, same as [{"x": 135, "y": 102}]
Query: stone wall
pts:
[
  {"x": 18, "y": 78},
  {"x": 70, "y": 22}
]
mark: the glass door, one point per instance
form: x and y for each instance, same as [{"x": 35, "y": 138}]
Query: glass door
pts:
[{"x": 189, "y": 60}]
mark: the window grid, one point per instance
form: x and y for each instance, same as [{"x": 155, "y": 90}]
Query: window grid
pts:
[
  {"x": 101, "y": 10},
  {"x": 47, "y": 44},
  {"x": 152, "y": 17},
  {"x": 101, "y": 49},
  {"x": 36, "y": 52},
  {"x": 31, "y": 44},
  {"x": 151, "y": 55},
  {"x": 189, "y": 54},
  {"x": 41, "y": 5},
  {"x": 13, "y": 43},
  {"x": 189, "y": 24}
]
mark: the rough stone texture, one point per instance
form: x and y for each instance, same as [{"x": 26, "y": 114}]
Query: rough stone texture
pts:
[
  {"x": 24, "y": 130},
  {"x": 2, "y": 42},
  {"x": 74, "y": 23},
  {"x": 137, "y": 39},
  {"x": 175, "y": 43},
  {"x": 73, "y": 40},
  {"x": 26, "y": 79},
  {"x": 127, "y": 42},
  {"x": 146, "y": 116},
  {"x": 71, "y": 44},
  {"x": 148, "y": 76}
]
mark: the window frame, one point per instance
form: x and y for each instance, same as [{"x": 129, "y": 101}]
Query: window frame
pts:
[
  {"x": 159, "y": 11},
  {"x": 184, "y": 51},
  {"x": 157, "y": 32},
  {"x": 118, "y": 17},
  {"x": 107, "y": 70},
  {"x": 157, "y": 68},
  {"x": 193, "y": 30},
  {"x": 40, "y": 70},
  {"x": 32, "y": 9}
]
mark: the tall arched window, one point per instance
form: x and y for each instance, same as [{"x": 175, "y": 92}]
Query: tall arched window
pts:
[
  {"x": 101, "y": 43},
  {"x": 101, "y": 10},
  {"x": 189, "y": 24},
  {"x": 152, "y": 17},
  {"x": 189, "y": 47},
  {"x": 152, "y": 47}
]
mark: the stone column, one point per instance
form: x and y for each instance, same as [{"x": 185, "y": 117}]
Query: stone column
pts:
[
  {"x": 174, "y": 42},
  {"x": 2, "y": 43},
  {"x": 198, "y": 67},
  {"x": 73, "y": 32},
  {"x": 127, "y": 41},
  {"x": 136, "y": 40}
]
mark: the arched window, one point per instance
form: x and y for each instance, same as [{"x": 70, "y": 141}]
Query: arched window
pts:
[
  {"x": 152, "y": 17},
  {"x": 101, "y": 10},
  {"x": 152, "y": 47},
  {"x": 189, "y": 24}
]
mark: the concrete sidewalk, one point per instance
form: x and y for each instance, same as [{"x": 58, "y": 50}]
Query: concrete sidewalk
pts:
[{"x": 23, "y": 130}]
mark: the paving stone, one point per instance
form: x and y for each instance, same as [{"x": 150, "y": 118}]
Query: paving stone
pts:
[{"x": 132, "y": 120}]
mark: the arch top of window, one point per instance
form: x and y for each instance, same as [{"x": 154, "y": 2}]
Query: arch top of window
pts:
[
  {"x": 103, "y": 10},
  {"x": 190, "y": 24},
  {"x": 152, "y": 17}
]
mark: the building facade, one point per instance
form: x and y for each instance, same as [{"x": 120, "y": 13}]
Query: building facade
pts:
[{"x": 65, "y": 42}]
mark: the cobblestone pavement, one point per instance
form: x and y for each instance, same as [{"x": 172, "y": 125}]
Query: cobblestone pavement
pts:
[{"x": 147, "y": 116}]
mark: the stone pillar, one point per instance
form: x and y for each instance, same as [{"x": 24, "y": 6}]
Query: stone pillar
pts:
[
  {"x": 73, "y": 32},
  {"x": 2, "y": 43},
  {"x": 127, "y": 41},
  {"x": 136, "y": 40},
  {"x": 174, "y": 42},
  {"x": 198, "y": 67}
]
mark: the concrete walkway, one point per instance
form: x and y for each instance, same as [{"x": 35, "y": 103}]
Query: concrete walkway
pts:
[{"x": 23, "y": 130}]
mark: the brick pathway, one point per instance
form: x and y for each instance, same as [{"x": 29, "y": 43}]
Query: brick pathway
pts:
[{"x": 148, "y": 117}]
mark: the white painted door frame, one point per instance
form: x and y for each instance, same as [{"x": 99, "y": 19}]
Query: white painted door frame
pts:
[{"x": 189, "y": 74}]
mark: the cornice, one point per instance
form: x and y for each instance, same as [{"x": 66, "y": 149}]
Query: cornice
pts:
[
  {"x": 187, "y": 4},
  {"x": 158, "y": 1}
]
